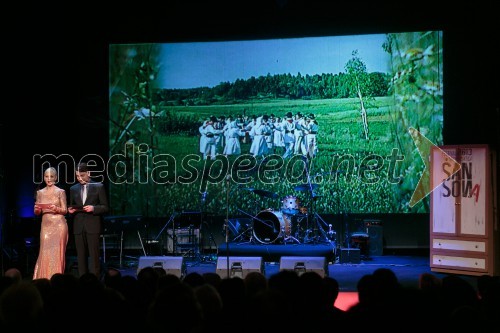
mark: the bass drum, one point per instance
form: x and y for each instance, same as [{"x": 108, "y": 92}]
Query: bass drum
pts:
[{"x": 269, "y": 226}]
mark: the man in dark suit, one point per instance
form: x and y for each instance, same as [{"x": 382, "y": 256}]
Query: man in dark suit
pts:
[{"x": 88, "y": 202}]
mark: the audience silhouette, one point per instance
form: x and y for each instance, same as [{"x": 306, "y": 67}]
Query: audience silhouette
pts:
[{"x": 286, "y": 301}]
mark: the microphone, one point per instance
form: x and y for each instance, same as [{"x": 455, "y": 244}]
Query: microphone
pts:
[{"x": 330, "y": 231}]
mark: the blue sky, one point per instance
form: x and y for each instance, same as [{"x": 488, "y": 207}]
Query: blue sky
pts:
[{"x": 191, "y": 65}]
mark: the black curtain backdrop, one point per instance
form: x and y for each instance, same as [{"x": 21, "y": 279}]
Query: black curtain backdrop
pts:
[{"x": 56, "y": 66}]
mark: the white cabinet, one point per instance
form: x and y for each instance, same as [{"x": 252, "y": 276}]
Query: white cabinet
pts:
[{"x": 464, "y": 230}]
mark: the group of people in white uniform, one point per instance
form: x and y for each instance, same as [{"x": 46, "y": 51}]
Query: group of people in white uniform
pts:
[{"x": 266, "y": 134}]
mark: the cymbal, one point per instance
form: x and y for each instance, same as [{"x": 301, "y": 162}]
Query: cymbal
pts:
[
  {"x": 306, "y": 187},
  {"x": 267, "y": 194}
]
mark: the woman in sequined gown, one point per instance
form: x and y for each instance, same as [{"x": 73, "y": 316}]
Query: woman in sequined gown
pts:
[{"x": 54, "y": 229}]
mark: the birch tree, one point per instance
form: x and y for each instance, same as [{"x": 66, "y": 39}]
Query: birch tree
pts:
[{"x": 359, "y": 83}]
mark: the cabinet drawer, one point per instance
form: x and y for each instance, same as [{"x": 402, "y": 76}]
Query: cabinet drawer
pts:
[
  {"x": 459, "y": 245},
  {"x": 462, "y": 262}
]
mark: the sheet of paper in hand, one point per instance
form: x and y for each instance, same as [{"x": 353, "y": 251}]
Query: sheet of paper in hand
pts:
[{"x": 44, "y": 205}]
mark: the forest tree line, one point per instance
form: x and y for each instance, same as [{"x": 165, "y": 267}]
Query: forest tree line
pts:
[{"x": 287, "y": 86}]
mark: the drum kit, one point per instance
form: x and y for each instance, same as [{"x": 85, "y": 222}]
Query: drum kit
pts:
[{"x": 292, "y": 223}]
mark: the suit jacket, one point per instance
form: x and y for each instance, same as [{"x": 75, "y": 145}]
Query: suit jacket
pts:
[{"x": 96, "y": 196}]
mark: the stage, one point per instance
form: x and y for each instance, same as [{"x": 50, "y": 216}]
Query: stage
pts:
[{"x": 407, "y": 265}]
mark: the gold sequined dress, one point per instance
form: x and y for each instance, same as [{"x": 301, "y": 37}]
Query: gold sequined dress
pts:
[{"x": 53, "y": 234}]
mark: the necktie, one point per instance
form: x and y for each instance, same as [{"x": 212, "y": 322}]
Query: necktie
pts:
[{"x": 84, "y": 193}]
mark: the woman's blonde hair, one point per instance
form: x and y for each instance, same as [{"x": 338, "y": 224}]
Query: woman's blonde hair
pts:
[{"x": 51, "y": 170}]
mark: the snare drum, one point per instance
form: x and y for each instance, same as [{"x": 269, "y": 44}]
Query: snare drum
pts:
[
  {"x": 290, "y": 205},
  {"x": 269, "y": 226}
]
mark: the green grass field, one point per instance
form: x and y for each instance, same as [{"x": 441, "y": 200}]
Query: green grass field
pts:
[{"x": 340, "y": 135}]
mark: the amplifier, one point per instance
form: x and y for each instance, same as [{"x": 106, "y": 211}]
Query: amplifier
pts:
[
  {"x": 350, "y": 256},
  {"x": 184, "y": 238}
]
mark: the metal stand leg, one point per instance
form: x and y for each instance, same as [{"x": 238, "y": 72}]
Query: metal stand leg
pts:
[
  {"x": 244, "y": 233},
  {"x": 121, "y": 248},
  {"x": 104, "y": 248},
  {"x": 290, "y": 238},
  {"x": 174, "y": 241},
  {"x": 142, "y": 245}
]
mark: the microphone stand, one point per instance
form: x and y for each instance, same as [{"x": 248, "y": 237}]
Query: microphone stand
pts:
[
  {"x": 228, "y": 180},
  {"x": 207, "y": 227},
  {"x": 174, "y": 238},
  {"x": 315, "y": 216},
  {"x": 313, "y": 200},
  {"x": 195, "y": 240},
  {"x": 174, "y": 214},
  {"x": 254, "y": 217}
]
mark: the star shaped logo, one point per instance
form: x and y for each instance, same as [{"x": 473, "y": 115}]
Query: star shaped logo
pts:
[{"x": 425, "y": 148}]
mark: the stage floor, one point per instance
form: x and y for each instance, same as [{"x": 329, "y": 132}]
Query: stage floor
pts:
[
  {"x": 273, "y": 252},
  {"x": 407, "y": 268}
]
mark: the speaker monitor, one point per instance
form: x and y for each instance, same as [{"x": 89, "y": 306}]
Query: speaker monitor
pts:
[
  {"x": 376, "y": 243},
  {"x": 171, "y": 265},
  {"x": 238, "y": 266},
  {"x": 305, "y": 264},
  {"x": 350, "y": 255}
]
